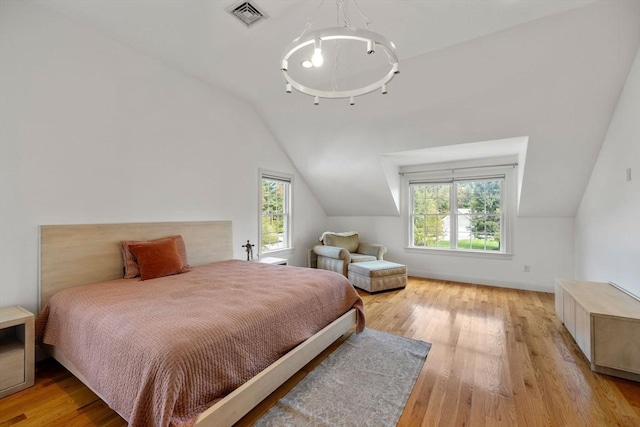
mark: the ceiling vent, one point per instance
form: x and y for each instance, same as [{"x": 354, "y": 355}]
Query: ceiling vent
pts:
[{"x": 248, "y": 13}]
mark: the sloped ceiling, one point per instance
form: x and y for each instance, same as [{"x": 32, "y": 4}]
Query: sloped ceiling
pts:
[{"x": 471, "y": 71}]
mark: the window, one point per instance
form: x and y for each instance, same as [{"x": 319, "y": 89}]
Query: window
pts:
[
  {"x": 275, "y": 212},
  {"x": 460, "y": 214}
]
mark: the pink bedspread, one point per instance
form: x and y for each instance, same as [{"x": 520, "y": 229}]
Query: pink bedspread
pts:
[{"x": 161, "y": 351}]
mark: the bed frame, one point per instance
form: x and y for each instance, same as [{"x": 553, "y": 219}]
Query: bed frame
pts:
[{"x": 73, "y": 255}]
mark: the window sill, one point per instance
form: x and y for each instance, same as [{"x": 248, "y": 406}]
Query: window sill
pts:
[
  {"x": 276, "y": 253},
  {"x": 461, "y": 253}
]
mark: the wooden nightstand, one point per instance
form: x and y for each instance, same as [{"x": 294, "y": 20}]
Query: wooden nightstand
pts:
[
  {"x": 17, "y": 349},
  {"x": 272, "y": 260}
]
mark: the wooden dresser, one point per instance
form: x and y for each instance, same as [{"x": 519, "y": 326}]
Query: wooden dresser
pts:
[{"x": 605, "y": 323}]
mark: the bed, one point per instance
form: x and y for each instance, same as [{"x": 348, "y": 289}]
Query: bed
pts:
[{"x": 114, "y": 334}]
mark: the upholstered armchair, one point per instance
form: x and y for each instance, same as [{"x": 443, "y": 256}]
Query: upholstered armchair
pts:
[{"x": 339, "y": 249}]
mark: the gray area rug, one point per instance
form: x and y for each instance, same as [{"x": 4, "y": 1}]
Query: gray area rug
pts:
[{"x": 365, "y": 382}]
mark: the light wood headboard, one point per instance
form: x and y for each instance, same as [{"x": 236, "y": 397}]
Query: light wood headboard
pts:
[{"x": 73, "y": 255}]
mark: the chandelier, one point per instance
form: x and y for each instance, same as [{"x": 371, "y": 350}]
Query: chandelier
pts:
[{"x": 306, "y": 55}]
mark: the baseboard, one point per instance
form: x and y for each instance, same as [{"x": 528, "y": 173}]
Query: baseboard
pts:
[{"x": 537, "y": 287}]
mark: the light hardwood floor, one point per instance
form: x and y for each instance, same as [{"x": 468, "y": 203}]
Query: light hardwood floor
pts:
[{"x": 499, "y": 357}]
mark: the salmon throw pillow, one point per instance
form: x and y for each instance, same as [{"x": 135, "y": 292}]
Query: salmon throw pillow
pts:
[
  {"x": 158, "y": 259},
  {"x": 131, "y": 268}
]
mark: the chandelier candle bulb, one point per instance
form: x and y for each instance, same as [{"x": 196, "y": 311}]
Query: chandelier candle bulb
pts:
[
  {"x": 317, "y": 60},
  {"x": 384, "y": 89},
  {"x": 288, "y": 87},
  {"x": 316, "y": 100},
  {"x": 352, "y": 101},
  {"x": 371, "y": 47}
]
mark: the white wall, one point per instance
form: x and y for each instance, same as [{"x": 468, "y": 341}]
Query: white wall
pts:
[
  {"x": 601, "y": 244},
  {"x": 608, "y": 220},
  {"x": 92, "y": 131},
  {"x": 545, "y": 244}
]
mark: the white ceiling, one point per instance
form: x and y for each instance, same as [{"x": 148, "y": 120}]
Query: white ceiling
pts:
[{"x": 471, "y": 71}]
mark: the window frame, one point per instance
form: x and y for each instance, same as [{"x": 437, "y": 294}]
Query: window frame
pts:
[
  {"x": 508, "y": 198},
  {"x": 288, "y": 214}
]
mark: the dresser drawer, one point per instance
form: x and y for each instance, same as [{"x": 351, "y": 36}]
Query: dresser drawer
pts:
[{"x": 617, "y": 343}]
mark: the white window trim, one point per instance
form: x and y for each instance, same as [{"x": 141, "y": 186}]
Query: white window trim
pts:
[
  {"x": 285, "y": 177},
  {"x": 508, "y": 195}
]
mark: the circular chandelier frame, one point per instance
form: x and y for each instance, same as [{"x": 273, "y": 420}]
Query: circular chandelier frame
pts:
[{"x": 370, "y": 38}]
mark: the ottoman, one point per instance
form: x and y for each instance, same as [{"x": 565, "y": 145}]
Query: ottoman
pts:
[{"x": 376, "y": 276}]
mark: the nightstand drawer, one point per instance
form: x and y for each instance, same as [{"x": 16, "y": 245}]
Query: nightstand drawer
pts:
[
  {"x": 17, "y": 350},
  {"x": 12, "y": 363}
]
